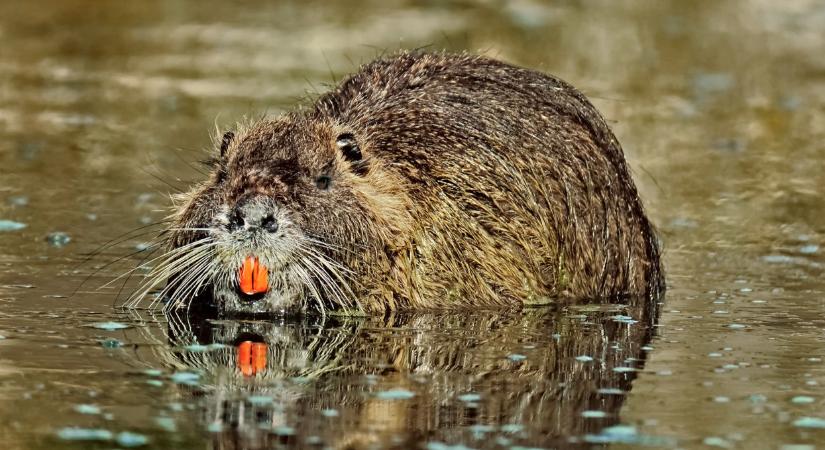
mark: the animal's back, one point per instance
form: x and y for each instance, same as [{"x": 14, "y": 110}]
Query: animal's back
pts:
[{"x": 516, "y": 187}]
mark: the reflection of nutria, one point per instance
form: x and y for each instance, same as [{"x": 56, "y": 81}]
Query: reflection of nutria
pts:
[
  {"x": 424, "y": 180},
  {"x": 538, "y": 369}
]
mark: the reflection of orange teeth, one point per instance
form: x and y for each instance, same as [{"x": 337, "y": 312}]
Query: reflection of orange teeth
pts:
[
  {"x": 251, "y": 357},
  {"x": 253, "y": 276}
]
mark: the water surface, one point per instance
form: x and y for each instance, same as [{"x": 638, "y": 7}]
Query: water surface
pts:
[{"x": 105, "y": 110}]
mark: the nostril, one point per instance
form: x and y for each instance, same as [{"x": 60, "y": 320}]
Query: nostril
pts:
[
  {"x": 235, "y": 221},
  {"x": 269, "y": 223}
]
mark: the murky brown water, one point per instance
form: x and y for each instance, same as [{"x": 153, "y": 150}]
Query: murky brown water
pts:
[{"x": 720, "y": 107}]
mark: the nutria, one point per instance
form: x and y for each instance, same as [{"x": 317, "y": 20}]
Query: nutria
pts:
[{"x": 424, "y": 180}]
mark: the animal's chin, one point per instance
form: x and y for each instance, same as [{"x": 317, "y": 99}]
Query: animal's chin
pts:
[{"x": 274, "y": 301}]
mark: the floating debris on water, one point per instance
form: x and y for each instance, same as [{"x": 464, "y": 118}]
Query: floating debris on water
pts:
[
  {"x": 109, "y": 326},
  {"x": 584, "y": 358},
  {"x": 778, "y": 259},
  {"x": 479, "y": 430},
  {"x": 617, "y": 433},
  {"x": 610, "y": 391},
  {"x": 626, "y": 434},
  {"x": 329, "y": 412},
  {"x": 802, "y": 399},
  {"x": 469, "y": 397},
  {"x": 683, "y": 222},
  {"x": 58, "y": 239},
  {"x": 127, "y": 439},
  {"x": 260, "y": 400},
  {"x": 111, "y": 343},
  {"x": 624, "y": 369},
  {"x": 284, "y": 430},
  {"x": 590, "y": 414},
  {"x": 153, "y": 372},
  {"x": 84, "y": 434},
  {"x": 155, "y": 383},
  {"x": 187, "y": 378},
  {"x": 175, "y": 406},
  {"x": 623, "y": 319},
  {"x": 516, "y": 357},
  {"x": 758, "y": 398},
  {"x": 714, "y": 441},
  {"x": 10, "y": 225},
  {"x": 87, "y": 409},
  {"x": 736, "y": 326},
  {"x": 395, "y": 394},
  {"x": 809, "y": 422},
  {"x": 18, "y": 200},
  {"x": 809, "y": 249},
  {"x": 166, "y": 424},
  {"x": 435, "y": 445},
  {"x": 512, "y": 428}
]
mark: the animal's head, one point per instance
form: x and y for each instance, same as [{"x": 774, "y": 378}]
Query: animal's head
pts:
[{"x": 296, "y": 211}]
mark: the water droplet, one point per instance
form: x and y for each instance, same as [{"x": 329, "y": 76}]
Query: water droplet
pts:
[
  {"x": 127, "y": 439},
  {"x": 58, "y": 239},
  {"x": 84, "y": 434},
  {"x": 108, "y": 326},
  {"x": 87, "y": 409},
  {"x": 9, "y": 225},
  {"x": 809, "y": 422},
  {"x": 469, "y": 397},
  {"x": 395, "y": 394}
]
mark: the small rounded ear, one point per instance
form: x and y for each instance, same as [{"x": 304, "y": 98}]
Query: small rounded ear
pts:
[
  {"x": 352, "y": 152},
  {"x": 349, "y": 147},
  {"x": 225, "y": 141}
]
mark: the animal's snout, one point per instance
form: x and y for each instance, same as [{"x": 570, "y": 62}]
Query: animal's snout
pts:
[{"x": 252, "y": 213}]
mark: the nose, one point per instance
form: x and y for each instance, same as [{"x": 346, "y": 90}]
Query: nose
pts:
[{"x": 252, "y": 214}]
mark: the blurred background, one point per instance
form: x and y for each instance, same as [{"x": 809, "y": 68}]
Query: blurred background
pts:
[{"x": 106, "y": 107}]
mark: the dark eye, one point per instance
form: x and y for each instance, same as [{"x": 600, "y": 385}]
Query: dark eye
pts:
[
  {"x": 323, "y": 182},
  {"x": 346, "y": 142}
]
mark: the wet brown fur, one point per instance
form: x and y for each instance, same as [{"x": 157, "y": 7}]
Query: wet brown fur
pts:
[{"x": 482, "y": 184}]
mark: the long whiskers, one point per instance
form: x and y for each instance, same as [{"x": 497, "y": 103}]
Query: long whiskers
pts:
[
  {"x": 332, "y": 277},
  {"x": 186, "y": 263},
  {"x": 184, "y": 271}
]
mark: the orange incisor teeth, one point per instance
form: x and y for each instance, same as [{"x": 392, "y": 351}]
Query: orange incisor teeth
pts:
[
  {"x": 254, "y": 277},
  {"x": 251, "y": 357}
]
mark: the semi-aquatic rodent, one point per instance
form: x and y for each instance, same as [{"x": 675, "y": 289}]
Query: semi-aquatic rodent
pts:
[{"x": 424, "y": 180}]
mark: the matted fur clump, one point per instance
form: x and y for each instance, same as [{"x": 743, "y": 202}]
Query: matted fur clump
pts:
[{"x": 422, "y": 181}]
